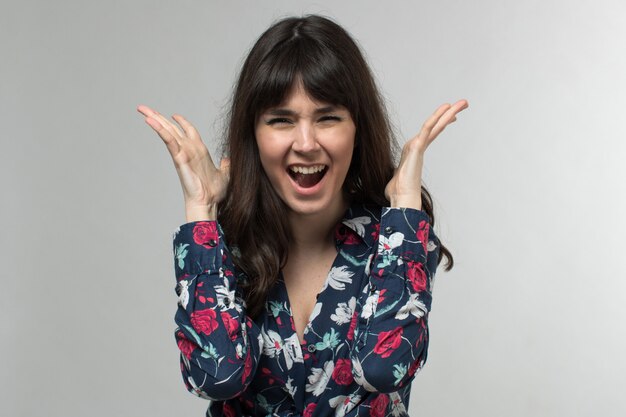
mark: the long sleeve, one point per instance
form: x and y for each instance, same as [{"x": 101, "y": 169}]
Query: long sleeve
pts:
[
  {"x": 391, "y": 335},
  {"x": 220, "y": 346}
]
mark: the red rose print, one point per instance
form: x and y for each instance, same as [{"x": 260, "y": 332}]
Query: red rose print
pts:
[
  {"x": 205, "y": 234},
  {"x": 417, "y": 276},
  {"x": 346, "y": 235},
  {"x": 350, "y": 334},
  {"x": 376, "y": 231},
  {"x": 378, "y": 406},
  {"x": 232, "y": 325},
  {"x": 266, "y": 372},
  {"x": 185, "y": 345},
  {"x": 228, "y": 410},
  {"x": 308, "y": 411},
  {"x": 351, "y": 239},
  {"x": 204, "y": 321},
  {"x": 414, "y": 366},
  {"x": 247, "y": 368},
  {"x": 342, "y": 374},
  {"x": 388, "y": 342},
  {"x": 422, "y": 234},
  {"x": 381, "y": 296}
]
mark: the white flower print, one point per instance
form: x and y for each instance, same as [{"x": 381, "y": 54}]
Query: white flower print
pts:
[
  {"x": 338, "y": 277},
  {"x": 292, "y": 350},
  {"x": 318, "y": 379},
  {"x": 397, "y": 406},
  {"x": 387, "y": 244},
  {"x": 358, "y": 224},
  {"x": 225, "y": 297},
  {"x": 344, "y": 311},
  {"x": 196, "y": 390},
  {"x": 290, "y": 388},
  {"x": 413, "y": 306},
  {"x": 368, "y": 265},
  {"x": 316, "y": 311},
  {"x": 357, "y": 372},
  {"x": 370, "y": 303},
  {"x": 239, "y": 350},
  {"x": 344, "y": 404},
  {"x": 183, "y": 288},
  {"x": 335, "y": 401},
  {"x": 260, "y": 339},
  {"x": 273, "y": 345}
]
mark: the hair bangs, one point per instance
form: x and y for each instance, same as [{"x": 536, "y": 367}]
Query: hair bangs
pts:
[{"x": 300, "y": 60}]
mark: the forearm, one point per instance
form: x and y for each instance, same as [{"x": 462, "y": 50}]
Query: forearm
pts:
[
  {"x": 391, "y": 341},
  {"x": 218, "y": 342}
]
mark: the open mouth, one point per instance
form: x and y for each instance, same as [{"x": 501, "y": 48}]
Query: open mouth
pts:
[{"x": 307, "y": 177}]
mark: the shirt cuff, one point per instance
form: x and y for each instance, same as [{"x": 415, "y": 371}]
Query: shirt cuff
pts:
[{"x": 197, "y": 248}]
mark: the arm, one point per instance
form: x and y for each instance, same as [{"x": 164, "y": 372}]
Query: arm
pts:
[
  {"x": 220, "y": 345},
  {"x": 217, "y": 341},
  {"x": 392, "y": 328},
  {"x": 391, "y": 338}
]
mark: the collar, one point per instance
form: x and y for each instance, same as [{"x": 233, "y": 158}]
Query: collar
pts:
[{"x": 361, "y": 223}]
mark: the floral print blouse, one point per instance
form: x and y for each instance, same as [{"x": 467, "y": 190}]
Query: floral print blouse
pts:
[{"x": 366, "y": 338}]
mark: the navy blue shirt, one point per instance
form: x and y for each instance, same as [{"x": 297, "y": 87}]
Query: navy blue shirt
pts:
[{"x": 366, "y": 338}]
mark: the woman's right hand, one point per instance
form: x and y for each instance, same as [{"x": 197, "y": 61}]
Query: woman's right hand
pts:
[{"x": 204, "y": 185}]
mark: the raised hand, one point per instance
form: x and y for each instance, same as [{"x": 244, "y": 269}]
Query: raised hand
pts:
[
  {"x": 404, "y": 189},
  {"x": 204, "y": 185}
]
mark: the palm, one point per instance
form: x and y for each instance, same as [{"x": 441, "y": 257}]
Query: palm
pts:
[
  {"x": 404, "y": 189},
  {"x": 203, "y": 184}
]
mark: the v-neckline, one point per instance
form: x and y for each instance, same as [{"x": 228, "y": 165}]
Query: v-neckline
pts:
[{"x": 318, "y": 300}]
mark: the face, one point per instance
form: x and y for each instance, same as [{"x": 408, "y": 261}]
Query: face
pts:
[{"x": 305, "y": 148}]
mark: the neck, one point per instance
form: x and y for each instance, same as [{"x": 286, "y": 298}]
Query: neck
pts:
[{"x": 314, "y": 232}]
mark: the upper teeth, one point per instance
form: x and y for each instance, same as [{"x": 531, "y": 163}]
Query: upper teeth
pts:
[{"x": 307, "y": 170}]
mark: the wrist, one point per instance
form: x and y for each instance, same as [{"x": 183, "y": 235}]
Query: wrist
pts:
[
  {"x": 406, "y": 202},
  {"x": 201, "y": 212}
]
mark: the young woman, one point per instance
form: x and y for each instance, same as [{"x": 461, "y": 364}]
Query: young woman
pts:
[{"x": 304, "y": 272}]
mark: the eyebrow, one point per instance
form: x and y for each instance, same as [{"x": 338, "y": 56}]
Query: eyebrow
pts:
[{"x": 277, "y": 111}]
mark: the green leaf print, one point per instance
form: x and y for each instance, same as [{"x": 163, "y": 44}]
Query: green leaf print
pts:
[
  {"x": 209, "y": 352},
  {"x": 193, "y": 333},
  {"x": 276, "y": 308},
  {"x": 387, "y": 259},
  {"x": 181, "y": 252},
  {"x": 330, "y": 340},
  {"x": 399, "y": 371}
]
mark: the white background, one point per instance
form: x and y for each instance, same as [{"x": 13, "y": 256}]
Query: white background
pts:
[{"x": 528, "y": 186}]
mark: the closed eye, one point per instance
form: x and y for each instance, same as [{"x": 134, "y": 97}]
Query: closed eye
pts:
[
  {"x": 277, "y": 120},
  {"x": 330, "y": 118}
]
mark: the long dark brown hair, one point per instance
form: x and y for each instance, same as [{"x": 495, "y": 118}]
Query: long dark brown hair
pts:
[{"x": 319, "y": 53}]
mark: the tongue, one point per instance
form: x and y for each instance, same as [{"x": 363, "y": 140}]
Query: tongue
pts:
[{"x": 308, "y": 180}]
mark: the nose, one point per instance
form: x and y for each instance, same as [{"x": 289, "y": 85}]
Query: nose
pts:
[{"x": 305, "y": 139}]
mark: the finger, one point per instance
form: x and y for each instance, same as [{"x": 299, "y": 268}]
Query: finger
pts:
[
  {"x": 145, "y": 110},
  {"x": 188, "y": 128},
  {"x": 430, "y": 123},
  {"x": 225, "y": 167},
  {"x": 170, "y": 141},
  {"x": 167, "y": 124},
  {"x": 448, "y": 117}
]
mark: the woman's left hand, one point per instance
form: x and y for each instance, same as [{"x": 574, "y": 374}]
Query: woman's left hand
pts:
[{"x": 405, "y": 188}]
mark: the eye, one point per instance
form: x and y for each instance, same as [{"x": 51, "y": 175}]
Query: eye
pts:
[
  {"x": 330, "y": 118},
  {"x": 277, "y": 121}
]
